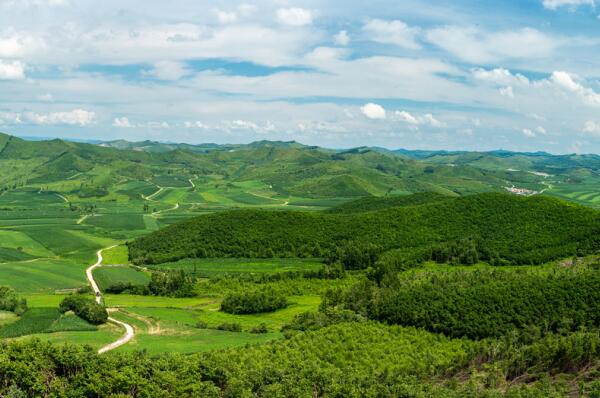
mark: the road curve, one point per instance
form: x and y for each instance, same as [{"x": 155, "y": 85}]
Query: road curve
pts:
[{"x": 129, "y": 332}]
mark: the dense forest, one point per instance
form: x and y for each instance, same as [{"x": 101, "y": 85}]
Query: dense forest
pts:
[
  {"x": 340, "y": 360},
  {"x": 502, "y": 227},
  {"x": 478, "y": 304}
]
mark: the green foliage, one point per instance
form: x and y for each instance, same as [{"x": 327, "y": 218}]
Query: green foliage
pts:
[
  {"x": 258, "y": 329},
  {"x": 479, "y": 304},
  {"x": 516, "y": 229},
  {"x": 374, "y": 203},
  {"x": 84, "y": 308},
  {"x": 174, "y": 283},
  {"x": 253, "y": 302},
  {"x": 317, "y": 320},
  {"x": 230, "y": 327},
  {"x": 10, "y": 301}
]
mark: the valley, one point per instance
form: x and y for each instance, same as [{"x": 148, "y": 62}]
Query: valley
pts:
[{"x": 355, "y": 272}]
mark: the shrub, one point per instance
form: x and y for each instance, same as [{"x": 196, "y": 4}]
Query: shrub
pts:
[
  {"x": 9, "y": 301},
  {"x": 262, "y": 328},
  {"x": 253, "y": 302},
  {"x": 230, "y": 327},
  {"x": 84, "y": 308}
]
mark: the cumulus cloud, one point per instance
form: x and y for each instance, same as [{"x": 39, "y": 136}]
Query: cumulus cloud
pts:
[
  {"x": 567, "y": 82},
  {"x": 373, "y": 111},
  {"x": 427, "y": 119},
  {"x": 13, "y": 70},
  {"x": 477, "y": 46},
  {"x": 295, "y": 16},
  {"x": 76, "y": 117},
  {"x": 392, "y": 32},
  {"x": 528, "y": 133},
  {"x": 341, "y": 38},
  {"x": 499, "y": 75},
  {"x": 555, "y": 4},
  {"x": 592, "y": 128},
  {"x": 122, "y": 122}
]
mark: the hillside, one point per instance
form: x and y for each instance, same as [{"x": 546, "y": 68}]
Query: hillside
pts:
[{"x": 515, "y": 229}]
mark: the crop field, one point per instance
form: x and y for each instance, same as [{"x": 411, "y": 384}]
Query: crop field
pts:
[
  {"x": 231, "y": 266},
  {"x": 43, "y": 275},
  {"x": 108, "y": 276}
]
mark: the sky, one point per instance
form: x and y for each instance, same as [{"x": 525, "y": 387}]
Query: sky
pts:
[{"x": 520, "y": 75}]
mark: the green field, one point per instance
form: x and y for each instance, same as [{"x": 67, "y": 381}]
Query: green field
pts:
[{"x": 108, "y": 276}]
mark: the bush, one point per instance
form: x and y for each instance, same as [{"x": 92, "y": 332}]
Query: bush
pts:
[
  {"x": 172, "y": 283},
  {"x": 230, "y": 327},
  {"x": 84, "y": 308},
  {"x": 201, "y": 325},
  {"x": 9, "y": 301},
  {"x": 253, "y": 302},
  {"x": 127, "y": 288},
  {"x": 262, "y": 328}
]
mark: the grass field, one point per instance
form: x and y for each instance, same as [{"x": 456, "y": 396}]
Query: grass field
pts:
[
  {"x": 108, "y": 276},
  {"x": 165, "y": 335}
]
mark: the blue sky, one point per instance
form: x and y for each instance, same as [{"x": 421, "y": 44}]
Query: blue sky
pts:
[{"x": 476, "y": 75}]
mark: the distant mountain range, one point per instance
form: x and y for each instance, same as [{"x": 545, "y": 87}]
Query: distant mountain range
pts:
[{"x": 294, "y": 169}]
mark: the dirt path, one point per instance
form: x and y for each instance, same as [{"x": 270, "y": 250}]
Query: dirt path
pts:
[
  {"x": 160, "y": 189},
  {"x": 62, "y": 197},
  {"x": 156, "y": 213},
  {"x": 129, "y": 332}
]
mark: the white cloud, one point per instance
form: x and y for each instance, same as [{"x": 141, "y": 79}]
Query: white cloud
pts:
[
  {"x": 477, "y": 46},
  {"x": 499, "y": 76},
  {"x": 341, "y": 38},
  {"x": 225, "y": 17},
  {"x": 592, "y": 128},
  {"x": 122, "y": 122},
  {"x": 392, "y": 32},
  {"x": 555, "y": 4},
  {"x": 76, "y": 117},
  {"x": 295, "y": 16},
  {"x": 406, "y": 117},
  {"x": 373, "y": 111},
  {"x": 541, "y": 130},
  {"x": 245, "y": 125},
  {"x": 168, "y": 70},
  {"x": 567, "y": 82},
  {"x": 507, "y": 92},
  {"x": 195, "y": 125},
  {"x": 528, "y": 133},
  {"x": 427, "y": 119},
  {"x": 13, "y": 70},
  {"x": 10, "y": 118}
]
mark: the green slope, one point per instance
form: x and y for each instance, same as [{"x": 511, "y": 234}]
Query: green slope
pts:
[{"x": 521, "y": 230}]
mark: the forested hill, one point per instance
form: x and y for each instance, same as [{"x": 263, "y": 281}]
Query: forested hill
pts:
[
  {"x": 373, "y": 203},
  {"x": 500, "y": 226}
]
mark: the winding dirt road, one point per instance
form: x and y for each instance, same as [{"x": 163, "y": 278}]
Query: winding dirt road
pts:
[{"x": 129, "y": 332}]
